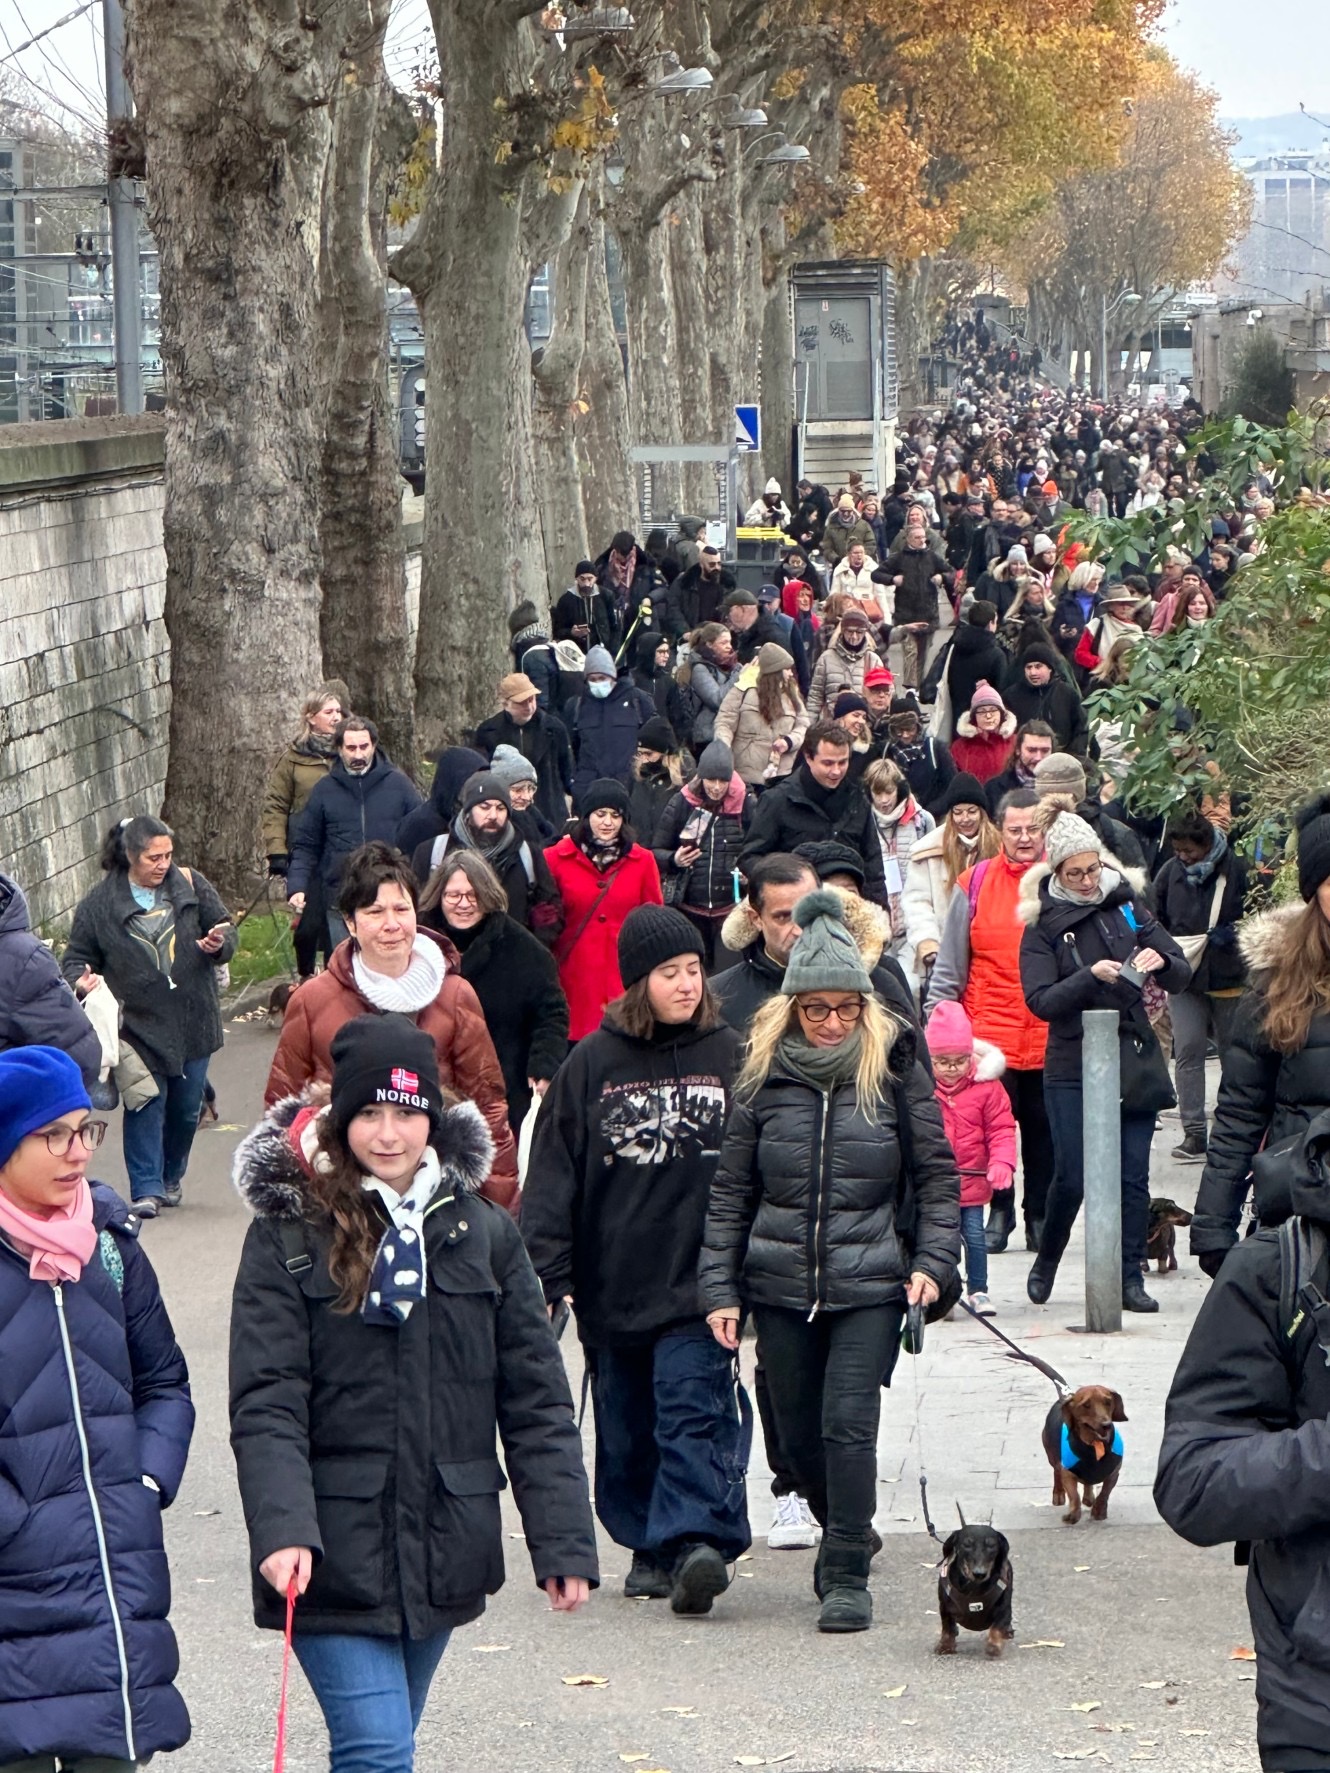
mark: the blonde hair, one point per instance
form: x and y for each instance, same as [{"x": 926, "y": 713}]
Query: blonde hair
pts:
[
  {"x": 1299, "y": 985},
  {"x": 882, "y": 774},
  {"x": 1084, "y": 576},
  {"x": 956, "y": 857},
  {"x": 879, "y": 1031}
]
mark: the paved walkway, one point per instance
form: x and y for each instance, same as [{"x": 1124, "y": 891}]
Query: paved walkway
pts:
[{"x": 1115, "y": 1609}]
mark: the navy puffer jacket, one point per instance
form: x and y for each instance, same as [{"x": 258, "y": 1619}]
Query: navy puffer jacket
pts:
[
  {"x": 94, "y": 1396},
  {"x": 803, "y": 1204}
]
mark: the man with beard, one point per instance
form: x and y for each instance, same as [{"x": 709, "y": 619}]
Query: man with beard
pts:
[
  {"x": 361, "y": 798},
  {"x": 751, "y": 628},
  {"x": 697, "y": 592},
  {"x": 485, "y": 822},
  {"x": 925, "y": 762},
  {"x": 585, "y": 613}
]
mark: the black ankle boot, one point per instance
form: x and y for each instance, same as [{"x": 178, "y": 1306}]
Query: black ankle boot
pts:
[
  {"x": 1135, "y": 1297},
  {"x": 846, "y": 1602},
  {"x": 1001, "y": 1221},
  {"x": 1039, "y": 1281}
]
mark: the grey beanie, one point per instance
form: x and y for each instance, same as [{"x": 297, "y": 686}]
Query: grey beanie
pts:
[
  {"x": 1059, "y": 773},
  {"x": 600, "y": 659},
  {"x": 826, "y": 957},
  {"x": 716, "y": 761},
  {"x": 510, "y": 766},
  {"x": 1066, "y": 833}
]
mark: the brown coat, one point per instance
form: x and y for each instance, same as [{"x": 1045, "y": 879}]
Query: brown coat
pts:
[
  {"x": 295, "y": 776},
  {"x": 467, "y": 1060}
]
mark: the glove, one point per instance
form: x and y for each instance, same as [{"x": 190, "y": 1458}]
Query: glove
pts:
[
  {"x": 1223, "y": 935},
  {"x": 1000, "y": 1177},
  {"x": 277, "y": 867},
  {"x": 1211, "y": 1261}
]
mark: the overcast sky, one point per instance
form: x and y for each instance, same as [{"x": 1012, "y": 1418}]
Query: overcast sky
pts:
[{"x": 1261, "y": 56}]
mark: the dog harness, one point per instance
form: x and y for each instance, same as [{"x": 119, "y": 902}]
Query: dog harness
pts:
[
  {"x": 992, "y": 1608},
  {"x": 1092, "y": 1455}
]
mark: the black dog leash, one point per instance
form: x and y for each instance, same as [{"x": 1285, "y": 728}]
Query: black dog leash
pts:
[
  {"x": 1017, "y": 1353},
  {"x": 913, "y": 1343}
]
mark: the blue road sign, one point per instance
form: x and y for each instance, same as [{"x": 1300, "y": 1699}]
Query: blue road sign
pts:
[{"x": 748, "y": 427}]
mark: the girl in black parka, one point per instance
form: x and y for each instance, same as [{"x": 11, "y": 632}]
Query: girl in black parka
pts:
[
  {"x": 621, "y": 1163},
  {"x": 803, "y": 1229},
  {"x": 385, "y": 1325}
]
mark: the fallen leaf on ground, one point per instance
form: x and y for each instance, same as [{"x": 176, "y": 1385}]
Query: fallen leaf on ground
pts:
[
  {"x": 488, "y": 1649},
  {"x": 1086, "y": 1705},
  {"x": 1113, "y": 1729},
  {"x": 682, "y": 1711},
  {"x": 517, "y": 1535},
  {"x": 1076, "y": 1754},
  {"x": 1193, "y": 1732},
  {"x": 635, "y": 1757},
  {"x": 894, "y": 1692},
  {"x": 1080, "y": 1569},
  {"x": 1172, "y": 1699},
  {"x": 743, "y": 1557},
  {"x": 203, "y": 1513},
  {"x": 1044, "y": 1644},
  {"x": 1154, "y": 1686},
  {"x": 586, "y": 1680},
  {"x": 1242, "y": 1654},
  {"x": 1246, "y": 1677}
]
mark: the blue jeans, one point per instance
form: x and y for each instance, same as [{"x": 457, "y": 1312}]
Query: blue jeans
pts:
[
  {"x": 673, "y": 1432},
  {"x": 371, "y": 1692},
  {"x": 1063, "y": 1101},
  {"x": 976, "y": 1249},
  {"x": 158, "y": 1136}
]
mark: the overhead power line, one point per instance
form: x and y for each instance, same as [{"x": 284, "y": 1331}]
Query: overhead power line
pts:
[{"x": 68, "y": 19}]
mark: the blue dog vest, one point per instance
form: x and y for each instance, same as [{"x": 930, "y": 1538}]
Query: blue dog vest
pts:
[{"x": 1071, "y": 1459}]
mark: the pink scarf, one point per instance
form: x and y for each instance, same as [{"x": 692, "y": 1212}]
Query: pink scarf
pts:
[{"x": 59, "y": 1247}]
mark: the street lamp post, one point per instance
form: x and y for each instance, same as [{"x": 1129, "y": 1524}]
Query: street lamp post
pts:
[{"x": 1122, "y": 300}]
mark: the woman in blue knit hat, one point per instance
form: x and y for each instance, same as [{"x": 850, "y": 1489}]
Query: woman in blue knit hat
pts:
[
  {"x": 835, "y": 1118},
  {"x": 95, "y": 1423}
]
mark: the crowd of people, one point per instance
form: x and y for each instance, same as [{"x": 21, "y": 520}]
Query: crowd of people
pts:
[{"x": 737, "y": 962}]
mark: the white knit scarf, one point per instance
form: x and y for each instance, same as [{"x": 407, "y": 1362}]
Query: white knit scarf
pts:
[{"x": 419, "y": 985}]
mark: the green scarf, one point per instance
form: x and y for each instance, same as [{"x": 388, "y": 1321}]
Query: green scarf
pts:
[{"x": 823, "y": 1067}]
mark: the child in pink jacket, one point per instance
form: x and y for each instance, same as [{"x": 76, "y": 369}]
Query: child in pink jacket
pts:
[{"x": 979, "y": 1123}]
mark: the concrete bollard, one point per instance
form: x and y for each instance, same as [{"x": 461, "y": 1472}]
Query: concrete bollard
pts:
[{"x": 1101, "y": 1097}]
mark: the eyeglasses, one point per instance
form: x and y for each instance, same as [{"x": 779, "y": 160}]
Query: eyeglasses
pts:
[
  {"x": 60, "y": 1140},
  {"x": 1082, "y": 876},
  {"x": 459, "y": 899},
  {"x": 817, "y": 1013}
]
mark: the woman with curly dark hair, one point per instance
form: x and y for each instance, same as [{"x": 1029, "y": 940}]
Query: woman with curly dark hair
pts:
[{"x": 385, "y": 1327}]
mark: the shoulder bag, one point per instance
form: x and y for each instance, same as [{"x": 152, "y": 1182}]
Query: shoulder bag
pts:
[
  {"x": 1144, "y": 1086},
  {"x": 1194, "y": 947}
]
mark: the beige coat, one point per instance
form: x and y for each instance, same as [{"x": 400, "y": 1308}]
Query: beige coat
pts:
[
  {"x": 740, "y": 724},
  {"x": 836, "y": 671}
]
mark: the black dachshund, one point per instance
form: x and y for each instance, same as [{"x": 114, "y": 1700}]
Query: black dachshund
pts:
[{"x": 974, "y": 1588}]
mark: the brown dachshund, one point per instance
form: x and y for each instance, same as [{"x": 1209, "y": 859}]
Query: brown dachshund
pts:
[
  {"x": 1085, "y": 1450},
  {"x": 1165, "y": 1216}
]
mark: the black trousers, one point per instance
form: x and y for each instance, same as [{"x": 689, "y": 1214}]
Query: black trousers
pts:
[
  {"x": 1025, "y": 1092},
  {"x": 824, "y": 1386},
  {"x": 311, "y": 931}
]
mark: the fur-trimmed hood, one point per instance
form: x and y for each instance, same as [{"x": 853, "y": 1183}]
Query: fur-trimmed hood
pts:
[
  {"x": 1029, "y": 902},
  {"x": 866, "y": 923},
  {"x": 989, "y": 1061},
  {"x": 966, "y": 728},
  {"x": 1263, "y": 938},
  {"x": 271, "y": 1169}
]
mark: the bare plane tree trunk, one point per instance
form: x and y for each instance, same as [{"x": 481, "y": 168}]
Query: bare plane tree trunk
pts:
[
  {"x": 607, "y": 483},
  {"x": 232, "y": 111},
  {"x": 558, "y": 396},
  {"x": 469, "y": 265},
  {"x": 364, "y": 630}
]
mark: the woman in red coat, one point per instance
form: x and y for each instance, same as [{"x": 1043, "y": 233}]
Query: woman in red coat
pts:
[
  {"x": 601, "y": 874},
  {"x": 985, "y": 736}
]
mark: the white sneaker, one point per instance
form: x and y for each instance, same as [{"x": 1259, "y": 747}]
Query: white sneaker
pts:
[
  {"x": 981, "y": 1303},
  {"x": 792, "y": 1526}
]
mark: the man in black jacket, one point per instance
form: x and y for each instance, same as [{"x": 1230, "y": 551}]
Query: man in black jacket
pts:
[
  {"x": 485, "y": 822},
  {"x": 696, "y": 594},
  {"x": 585, "y": 613},
  {"x": 811, "y": 513},
  {"x": 540, "y": 737},
  {"x": 818, "y": 801},
  {"x": 1060, "y": 773},
  {"x": 1041, "y": 692},
  {"x": 361, "y": 798},
  {"x": 629, "y": 577},
  {"x": 974, "y": 656}
]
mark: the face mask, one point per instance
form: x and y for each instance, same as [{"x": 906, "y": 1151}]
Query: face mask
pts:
[{"x": 600, "y": 690}]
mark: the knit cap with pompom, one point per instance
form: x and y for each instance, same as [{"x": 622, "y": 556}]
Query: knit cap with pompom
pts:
[
  {"x": 1065, "y": 832},
  {"x": 826, "y": 957}
]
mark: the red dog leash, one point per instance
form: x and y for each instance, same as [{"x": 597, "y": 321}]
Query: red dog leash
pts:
[{"x": 279, "y": 1752}]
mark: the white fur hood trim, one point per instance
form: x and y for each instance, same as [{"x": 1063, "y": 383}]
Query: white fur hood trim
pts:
[
  {"x": 990, "y": 1061},
  {"x": 966, "y": 729},
  {"x": 1028, "y": 904},
  {"x": 1264, "y": 938}
]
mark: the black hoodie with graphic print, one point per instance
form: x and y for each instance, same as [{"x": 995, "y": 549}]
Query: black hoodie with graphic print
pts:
[{"x": 620, "y": 1173}]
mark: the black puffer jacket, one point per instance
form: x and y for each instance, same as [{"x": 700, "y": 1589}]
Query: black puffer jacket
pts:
[
  {"x": 1061, "y": 944},
  {"x": 624, "y": 1151},
  {"x": 710, "y": 882},
  {"x": 1246, "y": 1456},
  {"x": 1184, "y": 910},
  {"x": 344, "y": 811},
  {"x": 1264, "y": 1096},
  {"x": 376, "y": 1446},
  {"x": 799, "y": 810},
  {"x": 803, "y": 1207}
]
